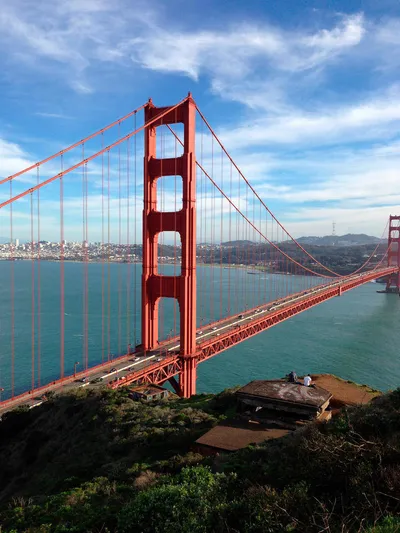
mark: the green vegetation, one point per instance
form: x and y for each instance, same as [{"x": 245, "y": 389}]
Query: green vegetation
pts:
[{"x": 98, "y": 462}]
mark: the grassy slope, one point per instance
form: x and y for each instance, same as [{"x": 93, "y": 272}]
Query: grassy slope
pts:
[{"x": 100, "y": 462}]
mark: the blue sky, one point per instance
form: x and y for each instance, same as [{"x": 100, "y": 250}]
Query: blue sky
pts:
[{"x": 304, "y": 94}]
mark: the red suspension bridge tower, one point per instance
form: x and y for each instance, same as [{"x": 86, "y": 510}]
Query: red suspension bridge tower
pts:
[
  {"x": 393, "y": 282},
  {"x": 154, "y": 285}
]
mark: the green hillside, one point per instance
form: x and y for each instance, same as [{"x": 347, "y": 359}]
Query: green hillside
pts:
[{"x": 99, "y": 462}]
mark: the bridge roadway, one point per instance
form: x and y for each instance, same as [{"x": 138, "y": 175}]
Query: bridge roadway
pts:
[{"x": 163, "y": 363}]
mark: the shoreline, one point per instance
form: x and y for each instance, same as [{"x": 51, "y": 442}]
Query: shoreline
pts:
[{"x": 224, "y": 266}]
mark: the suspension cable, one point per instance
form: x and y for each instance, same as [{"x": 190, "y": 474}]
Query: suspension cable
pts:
[
  {"x": 266, "y": 207},
  {"x": 247, "y": 219},
  {"x": 93, "y": 156},
  {"x": 72, "y": 146}
]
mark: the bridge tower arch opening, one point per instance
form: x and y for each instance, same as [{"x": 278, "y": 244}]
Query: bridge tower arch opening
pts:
[
  {"x": 393, "y": 282},
  {"x": 155, "y": 285}
]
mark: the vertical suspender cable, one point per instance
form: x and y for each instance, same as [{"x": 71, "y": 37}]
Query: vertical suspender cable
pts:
[
  {"x": 267, "y": 276},
  {"x": 103, "y": 254},
  {"x": 86, "y": 270},
  {"x": 12, "y": 298},
  {"x": 247, "y": 249},
  {"x": 128, "y": 250},
  {"x": 108, "y": 261},
  {"x": 135, "y": 284},
  {"x": 259, "y": 262},
  {"x": 62, "y": 273},
  {"x": 201, "y": 298},
  {"x": 212, "y": 227},
  {"x": 119, "y": 264},
  {"x": 237, "y": 271},
  {"x": 175, "y": 209},
  {"x": 32, "y": 299},
  {"x": 230, "y": 241},
  {"x": 38, "y": 355},
  {"x": 161, "y": 237},
  {"x": 83, "y": 257},
  {"x": 221, "y": 237}
]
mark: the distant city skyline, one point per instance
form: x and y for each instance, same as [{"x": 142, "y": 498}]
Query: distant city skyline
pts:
[{"x": 16, "y": 241}]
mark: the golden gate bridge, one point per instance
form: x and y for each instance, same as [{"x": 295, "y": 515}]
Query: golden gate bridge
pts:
[{"x": 155, "y": 178}]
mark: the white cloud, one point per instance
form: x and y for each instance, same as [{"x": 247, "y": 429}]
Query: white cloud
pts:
[
  {"x": 49, "y": 32},
  {"x": 12, "y": 158},
  {"x": 81, "y": 87},
  {"x": 204, "y": 51},
  {"x": 83, "y": 34},
  {"x": 229, "y": 54},
  {"x": 370, "y": 220},
  {"x": 348, "y": 33},
  {"x": 52, "y": 115},
  {"x": 367, "y": 119},
  {"x": 360, "y": 178},
  {"x": 389, "y": 32}
]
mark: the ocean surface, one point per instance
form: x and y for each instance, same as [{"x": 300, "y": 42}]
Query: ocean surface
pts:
[{"x": 355, "y": 336}]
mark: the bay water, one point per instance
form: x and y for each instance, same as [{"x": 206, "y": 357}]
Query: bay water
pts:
[{"x": 355, "y": 336}]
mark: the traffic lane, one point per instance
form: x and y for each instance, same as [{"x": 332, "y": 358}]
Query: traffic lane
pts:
[
  {"x": 135, "y": 364},
  {"x": 233, "y": 323}
]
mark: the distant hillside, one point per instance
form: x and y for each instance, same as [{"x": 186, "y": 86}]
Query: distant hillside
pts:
[
  {"x": 350, "y": 239},
  {"x": 238, "y": 243}
]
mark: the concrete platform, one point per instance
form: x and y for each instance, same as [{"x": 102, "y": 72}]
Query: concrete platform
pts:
[
  {"x": 234, "y": 435},
  {"x": 282, "y": 392},
  {"x": 345, "y": 392}
]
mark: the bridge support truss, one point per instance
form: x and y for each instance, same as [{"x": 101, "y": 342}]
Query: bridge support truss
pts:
[
  {"x": 393, "y": 282},
  {"x": 154, "y": 285}
]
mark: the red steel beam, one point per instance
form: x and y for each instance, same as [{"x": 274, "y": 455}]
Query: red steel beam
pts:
[
  {"x": 258, "y": 325},
  {"x": 156, "y": 373}
]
